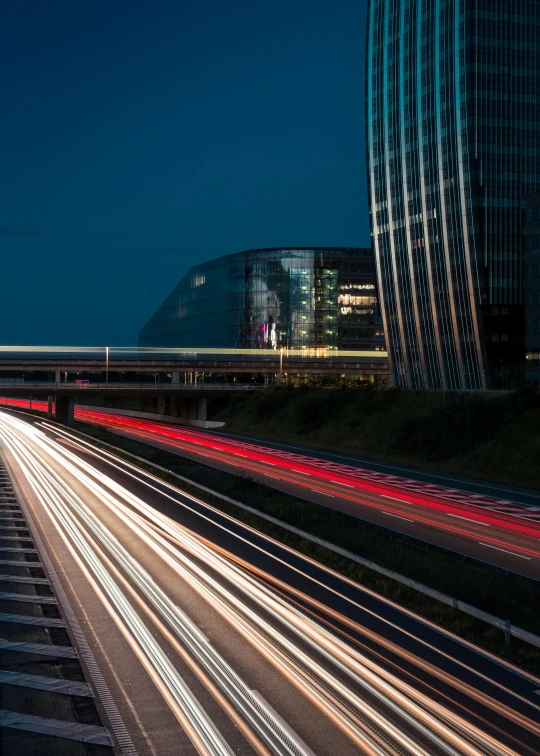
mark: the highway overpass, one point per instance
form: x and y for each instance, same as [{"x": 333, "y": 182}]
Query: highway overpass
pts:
[
  {"x": 59, "y": 360},
  {"x": 175, "y": 372}
]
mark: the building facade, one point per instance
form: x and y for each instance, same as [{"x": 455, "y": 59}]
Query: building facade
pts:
[
  {"x": 532, "y": 287},
  {"x": 273, "y": 298},
  {"x": 453, "y": 142}
]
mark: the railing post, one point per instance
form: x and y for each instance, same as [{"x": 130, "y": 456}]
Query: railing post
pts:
[{"x": 507, "y": 633}]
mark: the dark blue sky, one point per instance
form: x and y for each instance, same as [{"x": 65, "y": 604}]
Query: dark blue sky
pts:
[{"x": 140, "y": 138}]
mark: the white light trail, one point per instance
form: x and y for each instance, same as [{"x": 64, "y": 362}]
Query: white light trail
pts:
[{"x": 278, "y": 629}]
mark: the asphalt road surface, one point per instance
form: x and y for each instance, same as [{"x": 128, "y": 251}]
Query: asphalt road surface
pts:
[{"x": 216, "y": 639}]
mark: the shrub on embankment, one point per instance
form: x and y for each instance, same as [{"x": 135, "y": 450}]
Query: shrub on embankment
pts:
[{"x": 493, "y": 435}]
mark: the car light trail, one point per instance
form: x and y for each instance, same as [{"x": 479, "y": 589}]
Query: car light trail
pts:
[
  {"x": 378, "y": 711},
  {"x": 431, "y": 503},
  {"x": 366, "y": 495},
  {"x": 150, "y": 481},
  {"x": 185, "y": 629},
  {"x": 186, "y": 708},
  {"x": 127, "y": 562}
]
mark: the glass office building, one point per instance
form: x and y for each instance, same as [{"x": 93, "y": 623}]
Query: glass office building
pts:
[
  {"x": 272, "y": 298},
  {"x": 453, "y": 138},
  {"x": 532, "y": 287}
]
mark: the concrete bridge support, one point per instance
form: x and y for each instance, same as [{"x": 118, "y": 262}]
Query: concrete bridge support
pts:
[
  {"x": 65, "y": 406},
  {"x": 175, "y": 409},
  {"x": 191, "y": 409},
  {"x": 202, "y": 409},
  {"x": 50, "y": 413}
]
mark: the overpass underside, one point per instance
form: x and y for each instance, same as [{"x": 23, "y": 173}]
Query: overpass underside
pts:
[{"x": 183, "y": 385}]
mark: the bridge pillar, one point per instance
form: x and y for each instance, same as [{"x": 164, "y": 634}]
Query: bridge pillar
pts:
[
  {"x": 65, "y": 406},
  {"x": 202, "y": 409},
  {"x": 161, "y": 405},
  {"x": 57, "y": 376},
  {"x": 50, "y": 413},
  {"x": 175, "y": 380}
]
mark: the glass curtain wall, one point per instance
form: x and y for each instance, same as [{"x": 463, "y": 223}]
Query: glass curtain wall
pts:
[
  {"x": 532, "y": 287},
  {"x": 452, "y": 92},
  {"x": 273, "y": 298}
]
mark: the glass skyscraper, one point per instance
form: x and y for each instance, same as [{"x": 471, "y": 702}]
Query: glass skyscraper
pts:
[
  {"x": 532, "y": 287},
  {"x": 453, "y": 137},
  {"x": 316, "y": 297}
]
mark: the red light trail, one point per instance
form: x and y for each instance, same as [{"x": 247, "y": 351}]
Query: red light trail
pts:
[{"x": 499, "y": 527}]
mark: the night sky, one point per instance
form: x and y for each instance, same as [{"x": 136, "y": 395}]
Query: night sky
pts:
[{"x": 139, "y": 138}]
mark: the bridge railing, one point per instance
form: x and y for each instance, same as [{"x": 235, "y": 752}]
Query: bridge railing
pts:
[{"x": 129, "y": 385}]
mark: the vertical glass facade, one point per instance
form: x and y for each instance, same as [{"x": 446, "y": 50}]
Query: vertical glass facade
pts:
[
  {"x": 452, "y": 93},
  {"x": 532, "y": 287},
  {"x": 272, "y": 298}
]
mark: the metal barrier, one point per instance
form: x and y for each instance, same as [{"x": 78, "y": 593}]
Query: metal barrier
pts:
[{"x": 146, "y": 386}]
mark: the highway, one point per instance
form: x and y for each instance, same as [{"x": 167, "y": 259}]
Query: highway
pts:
[
  {"x": 498, "y": 531},
  {"x": 215, "y": 639}
]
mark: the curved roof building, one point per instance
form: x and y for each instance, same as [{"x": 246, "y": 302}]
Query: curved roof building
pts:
[{"x": 268, "y": 298}]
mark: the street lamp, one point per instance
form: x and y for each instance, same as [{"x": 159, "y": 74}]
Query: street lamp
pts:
[
  {"x": 281, "y": 365},
  {"x": 106, "y": 364}
]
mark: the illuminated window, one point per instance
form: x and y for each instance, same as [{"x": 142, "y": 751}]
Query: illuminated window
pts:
[{"x": 197, "y": 280}]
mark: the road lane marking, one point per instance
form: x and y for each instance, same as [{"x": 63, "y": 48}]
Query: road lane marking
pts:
[
  {"x": 342, "y": 484},
  {"x": 323, "y": 493},
  {"x": 489, "y": 546},
  {"x": 302, "y": 472},
  {"x": 394, "y": 499},
  {"x": 391, "y": 514},
  {"x": 469, "y": 520}
]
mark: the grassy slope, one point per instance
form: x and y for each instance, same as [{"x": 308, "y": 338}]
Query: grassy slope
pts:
[{"x": 489, "y": 435}]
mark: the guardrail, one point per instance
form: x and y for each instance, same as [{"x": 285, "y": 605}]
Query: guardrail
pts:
[{"x": 100, "y": 386}]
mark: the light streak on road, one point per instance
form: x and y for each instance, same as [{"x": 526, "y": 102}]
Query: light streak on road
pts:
[
  {"x": 61, "y": 504},
  {"x": 379, "y": 712},
  {"x": 513, "y": 533},
  {"x": 50, "y": 490},
  {"x": 515, "y": 530},
  {"x": 152, "y": 482}
]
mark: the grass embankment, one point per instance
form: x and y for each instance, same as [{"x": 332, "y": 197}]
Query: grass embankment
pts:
[
  {"x": 485, "y": 435},
  {"x": 504, "y": 596}
]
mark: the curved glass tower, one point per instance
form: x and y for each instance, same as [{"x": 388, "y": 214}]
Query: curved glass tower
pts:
[{"x": 452, "y": 93}]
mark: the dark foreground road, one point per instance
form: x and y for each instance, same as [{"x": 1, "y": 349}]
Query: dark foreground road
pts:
[{"x": 215, "y": 639}]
